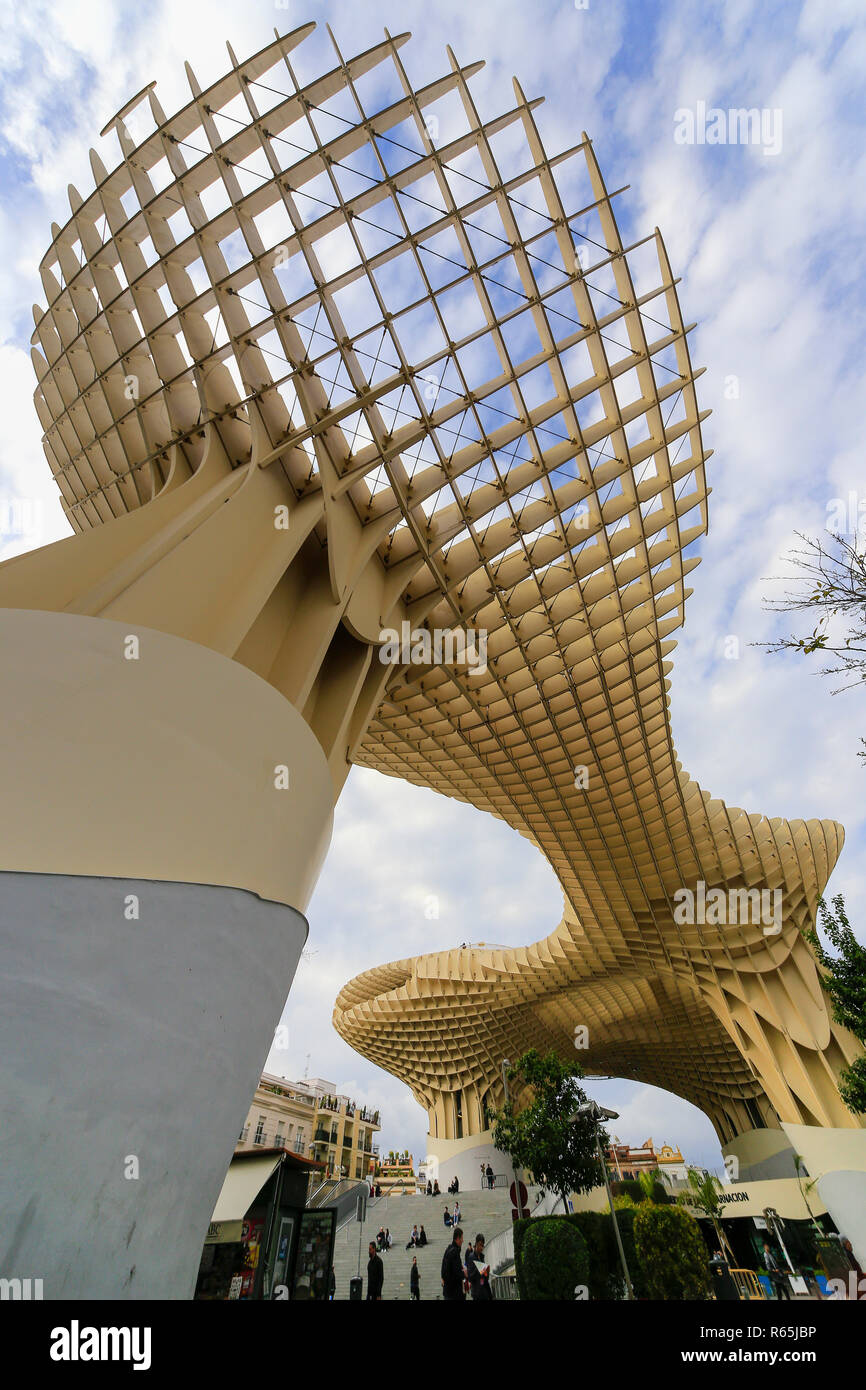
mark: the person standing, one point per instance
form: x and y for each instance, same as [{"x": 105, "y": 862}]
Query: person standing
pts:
[
  {"x": 478, "y": 1272},
  {"x": 452, "y": 1270},
  {"x": 375, "y": 1275},
  {"x": 490, "y": 1177},
  {"x": 777, "y": 1278},
  {"x": 415, "y": 1281}
]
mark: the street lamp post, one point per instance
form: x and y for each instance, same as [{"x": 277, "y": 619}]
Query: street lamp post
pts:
[
  {"x": 597, "y": 1112},
  {"x": 518, "y": 1205},
  {"x": 771, "y": 1216}
]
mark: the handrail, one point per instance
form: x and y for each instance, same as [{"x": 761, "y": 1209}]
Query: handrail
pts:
[
  {"x": 499, "y": 1250},
  {"x": 748, "y": 1284}
]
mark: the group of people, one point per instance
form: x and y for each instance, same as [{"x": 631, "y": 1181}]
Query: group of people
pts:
[
  {"x": 433, "y": 1189},
  {"x": 460, "y": 1274},
  {"x": 384, "y": 1239},
  {"x": 375, "y": 1189},
  {"x": 488, "y": 1176},
  {"x": 417, "y": 1239},
  {"x": 469, "y": 1273},
  {"x": 452, "y": 1218}
]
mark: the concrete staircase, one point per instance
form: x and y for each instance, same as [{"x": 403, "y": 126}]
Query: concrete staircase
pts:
[{"x": 485, "y": 1211}]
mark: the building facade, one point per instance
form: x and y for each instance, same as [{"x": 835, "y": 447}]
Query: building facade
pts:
[
  {"x": 625, "y": 1162},
  {"x": 311, "y": 1118},
  {"x": 281, "y": 1116}
]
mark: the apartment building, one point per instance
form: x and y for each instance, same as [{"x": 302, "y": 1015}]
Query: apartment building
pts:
[{"x": 310, "y": 1117}]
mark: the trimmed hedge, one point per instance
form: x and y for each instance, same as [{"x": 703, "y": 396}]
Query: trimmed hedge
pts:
[
  {"x": 625, "y": 1218},
  {"x": 550, "y": 1258},
  {"x": 671, "y": 1253},
  {"x": 603, "y": 1279},
  {"x": 605, "y": 1272},
  {"x": 664, "y": 1250}
]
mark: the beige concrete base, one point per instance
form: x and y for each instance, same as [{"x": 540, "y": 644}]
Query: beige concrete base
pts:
[
  {"x": 759, "y": 1155},
  {"x": 130, "y": 753},
  {"x": 462, "y": 1158}
]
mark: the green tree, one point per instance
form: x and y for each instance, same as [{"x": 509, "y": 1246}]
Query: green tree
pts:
[
  {"x": 671, "y": 1253},
  {"x": 845, "y": 982},
  {"x": 541, "y": 1136},
  {"x": 704, "y": 1195}
]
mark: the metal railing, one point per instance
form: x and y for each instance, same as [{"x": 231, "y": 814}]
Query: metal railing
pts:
[
  {"x": 499, "y": 1251},
  {"x": 749, "y": 1286}
]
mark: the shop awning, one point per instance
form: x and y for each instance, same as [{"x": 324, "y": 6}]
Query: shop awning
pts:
[{"x": 243, "y": 1183}]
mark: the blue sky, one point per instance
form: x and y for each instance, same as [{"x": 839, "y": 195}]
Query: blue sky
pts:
[{"x": 770, "y": 249}]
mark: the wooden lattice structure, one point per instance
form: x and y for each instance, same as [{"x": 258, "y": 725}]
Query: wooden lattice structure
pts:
[{"x": 424, "y": 341}]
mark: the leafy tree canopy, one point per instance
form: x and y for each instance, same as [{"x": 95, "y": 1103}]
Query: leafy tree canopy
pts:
[
  {"x": 542, "y": 1137},
  {"x": 845, "y": 983}
]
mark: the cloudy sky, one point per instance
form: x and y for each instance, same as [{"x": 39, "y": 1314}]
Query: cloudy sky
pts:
[{"x": 768, "y": 239}]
